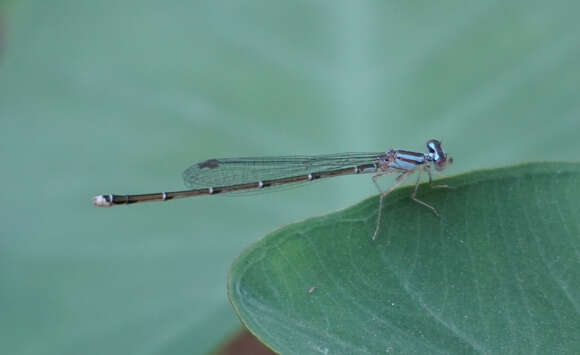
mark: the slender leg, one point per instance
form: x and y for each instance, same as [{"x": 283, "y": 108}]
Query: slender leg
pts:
[
  {"x": 414, "y": 194},
  {"x": 378, "y": 175},
  {"x": 443, "y": 186},
  {"x": 400, "y": 180}
]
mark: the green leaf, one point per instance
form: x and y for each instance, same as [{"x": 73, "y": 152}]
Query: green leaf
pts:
[{"x": 499, "y": 272}]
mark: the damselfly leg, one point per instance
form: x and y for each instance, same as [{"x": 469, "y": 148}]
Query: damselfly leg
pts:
[
  {"x": 414, "y": 194},
  {"x": 398, "y": 181}
]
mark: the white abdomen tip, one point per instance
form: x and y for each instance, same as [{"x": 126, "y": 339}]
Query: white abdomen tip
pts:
[{"x": 102, "y": 201}]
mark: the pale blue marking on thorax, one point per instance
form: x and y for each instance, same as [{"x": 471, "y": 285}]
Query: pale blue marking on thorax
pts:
[{"x": 407, "y": 160}]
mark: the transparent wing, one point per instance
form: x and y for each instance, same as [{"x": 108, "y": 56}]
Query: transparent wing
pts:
[{"x": 234, "y": 171}]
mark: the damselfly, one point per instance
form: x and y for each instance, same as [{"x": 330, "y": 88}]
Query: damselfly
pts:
[{"x": 219, "y": 176}]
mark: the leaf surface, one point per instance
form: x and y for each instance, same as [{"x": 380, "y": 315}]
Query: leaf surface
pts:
[{"x": 499, "y": 272}]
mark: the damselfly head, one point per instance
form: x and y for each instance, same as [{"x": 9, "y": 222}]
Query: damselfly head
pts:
[{"x": 438, "y": 156}]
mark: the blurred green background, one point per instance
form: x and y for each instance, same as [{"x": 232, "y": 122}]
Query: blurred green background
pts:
[{"x": 121, "y": 96}]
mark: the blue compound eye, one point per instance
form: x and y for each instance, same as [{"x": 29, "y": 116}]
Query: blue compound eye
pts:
[
  {"x": 435, "y": 149},
  {"x": 437, "y": 154}
]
